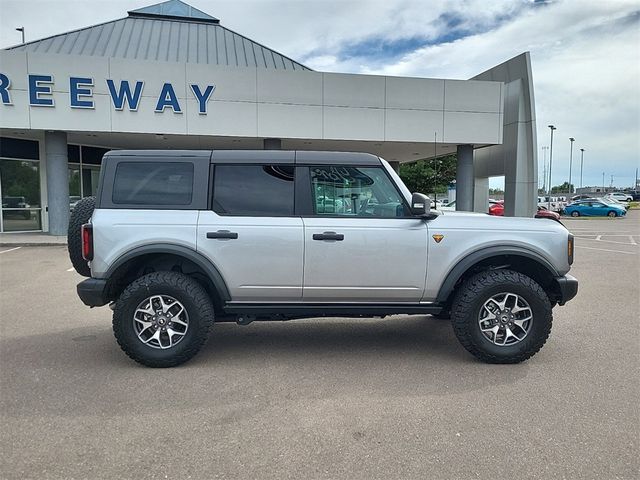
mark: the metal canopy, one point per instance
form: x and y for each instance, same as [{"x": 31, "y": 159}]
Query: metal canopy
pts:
[{"x": 173, "y": 9}]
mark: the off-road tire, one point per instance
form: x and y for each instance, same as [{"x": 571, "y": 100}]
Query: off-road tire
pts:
[
  {"x": 81, "y": 214},
  {"x": 184, "y": 289},
  {"x": 469, "y": 300}
]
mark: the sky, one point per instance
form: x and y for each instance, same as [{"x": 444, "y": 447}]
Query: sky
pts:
[{"x": 585, "y": 54}]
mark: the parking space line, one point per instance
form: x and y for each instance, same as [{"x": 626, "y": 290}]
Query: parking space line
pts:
[
  {"x": 70, "y": 269},
  {"x": 10, "y": 250},
  {"x": 608, "y": 241},
  {"x": 606, "y": 250}
]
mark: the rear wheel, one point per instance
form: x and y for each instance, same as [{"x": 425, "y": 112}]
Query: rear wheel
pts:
[
  {"x": 612, "y": 214},
  {"x": 163, "y": 319},
  {"x": 501, "y": 316},
  {"x": 575, "y": 213}
]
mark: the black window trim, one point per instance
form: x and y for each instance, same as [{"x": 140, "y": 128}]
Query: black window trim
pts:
[
  {"x": 309, "y": 211},
  {"x": 217, "y": 209}
]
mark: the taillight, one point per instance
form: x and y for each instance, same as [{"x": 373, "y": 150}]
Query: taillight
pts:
[
  {"x": 570, "y": 248},
  {"x": 87, "y": 241}
]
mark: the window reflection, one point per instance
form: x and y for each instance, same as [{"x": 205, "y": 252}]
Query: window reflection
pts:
[{"x": 20, "y": 187}]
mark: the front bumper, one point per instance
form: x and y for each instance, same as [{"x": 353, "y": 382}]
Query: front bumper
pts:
[
  {"x": 92, "y": 292},
  {"x": 567, "y": 288}
]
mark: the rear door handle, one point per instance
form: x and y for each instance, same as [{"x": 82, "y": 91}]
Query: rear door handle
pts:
[
  {"x": 328, "y": 236},
  {"x": 222, "y": 234}
]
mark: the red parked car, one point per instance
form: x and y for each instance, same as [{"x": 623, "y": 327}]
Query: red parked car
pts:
[
  {"x": 496, "y": 208},
  {"x": 544, "y": 213}
]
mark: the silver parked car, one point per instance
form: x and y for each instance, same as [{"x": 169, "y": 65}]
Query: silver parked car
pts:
[{"x": 177, "y": 239}]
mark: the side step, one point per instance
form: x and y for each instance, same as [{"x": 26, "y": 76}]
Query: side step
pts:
[{"x": 308, "y": 310}]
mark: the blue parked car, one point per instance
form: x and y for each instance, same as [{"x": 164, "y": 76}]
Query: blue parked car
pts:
[{"x": 594, "y": 208}]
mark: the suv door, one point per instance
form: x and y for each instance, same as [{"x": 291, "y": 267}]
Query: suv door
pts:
[
  {"x": 361, "y": 243},
  {"x": 250, "y": 233}
]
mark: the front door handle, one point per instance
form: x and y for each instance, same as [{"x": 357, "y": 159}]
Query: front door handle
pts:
[
  {"x": 222, "y": 234},
  {"x": 328, "y": 236}
]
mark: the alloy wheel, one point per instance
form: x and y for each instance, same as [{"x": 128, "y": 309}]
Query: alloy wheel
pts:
[
  {"x": 505, "y": 319},
  {"x": 160, "y": 321}
]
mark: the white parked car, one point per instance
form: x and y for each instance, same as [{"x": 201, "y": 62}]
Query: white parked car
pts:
[
  {"x": 449, "y": 207},
  {"x": 614, "y": 201},
  {"x": 620, "y": 196},
  {"x": 555, "y": 204}
]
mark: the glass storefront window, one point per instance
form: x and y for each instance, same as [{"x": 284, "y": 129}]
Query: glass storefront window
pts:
[
  {"x": 20, "y": 181},
  {"x": 20, "y": 188},
  {"x": 74, "y": 181},
  {"x": 90, "y": 177}
]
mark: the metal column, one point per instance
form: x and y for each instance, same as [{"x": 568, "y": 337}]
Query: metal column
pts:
[{"x": 464, "y": 178}]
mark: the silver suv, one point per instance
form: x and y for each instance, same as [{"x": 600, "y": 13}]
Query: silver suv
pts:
[{"x": 176, "y": 239}]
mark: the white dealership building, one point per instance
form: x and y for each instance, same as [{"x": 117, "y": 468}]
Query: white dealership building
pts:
[{"x": 169, "y": 76}]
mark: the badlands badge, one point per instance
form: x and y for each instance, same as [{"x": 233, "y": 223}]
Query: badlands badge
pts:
[{"x": 437, "y": 237}]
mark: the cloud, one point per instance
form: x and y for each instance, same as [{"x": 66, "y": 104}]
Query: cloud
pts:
[
  {"x": 586, "y": 69},
  {"x": 585, "y": 53}
]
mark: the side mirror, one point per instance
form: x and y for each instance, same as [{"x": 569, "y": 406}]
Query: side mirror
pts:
[{"x": 421, "y": 206}]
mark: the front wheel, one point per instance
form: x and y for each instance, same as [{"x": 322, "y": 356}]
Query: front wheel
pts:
[
  {"x": 501, "y": 316},
  {"x": 612, "y": 214},
  {"x": 163, "y": 319}
]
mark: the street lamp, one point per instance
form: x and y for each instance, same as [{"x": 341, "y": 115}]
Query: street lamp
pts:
[
  {"x": 552, "y": 128},
  {"x": 571, "y": 139},
  {"x": 581, "y": 162},
  {"x": 21, "y": 30}
]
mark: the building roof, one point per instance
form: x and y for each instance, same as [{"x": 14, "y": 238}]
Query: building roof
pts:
[{"x": 171, "y": 31}]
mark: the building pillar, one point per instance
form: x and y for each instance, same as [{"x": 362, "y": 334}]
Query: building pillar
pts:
[
  {"x": 464, "y": 178},
  {"x": 481, "y": 195},
  {"x": 56, "y": 157},
  {"x": 395, "y": 166},
  {"x": 272, "y": 144}
]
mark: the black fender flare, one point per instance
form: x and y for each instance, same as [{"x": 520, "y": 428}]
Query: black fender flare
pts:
[
  {"x": 179, "y": 250},
  {"x": 479, "y": 255}
]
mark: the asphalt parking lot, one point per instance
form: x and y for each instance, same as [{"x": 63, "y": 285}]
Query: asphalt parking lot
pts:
[{"x": 323, "y": 398}]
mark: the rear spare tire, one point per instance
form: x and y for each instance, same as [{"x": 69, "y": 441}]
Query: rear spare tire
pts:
[{"x": 81, "y": 214}]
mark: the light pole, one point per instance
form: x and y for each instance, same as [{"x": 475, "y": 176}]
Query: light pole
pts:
[
  {"x": 544, "y": 168},
  {"x": 21, "y": 30},
  {"x": 552, "y": 128},
  {"x": 581, "y": 162},
  {"x": 571, "y": 139}
]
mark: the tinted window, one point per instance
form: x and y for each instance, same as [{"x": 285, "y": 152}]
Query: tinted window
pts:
[
  {"x": 253, "y": 190},
  {"x": 351, "y": 191},
  {"x": 153, "y": 183},
  {"x": 18, "y": 148}
]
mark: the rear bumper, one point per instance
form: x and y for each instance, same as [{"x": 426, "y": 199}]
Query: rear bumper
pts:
[
  {"x": 567, "y": 287},
  {"x": 92, "y": 292}
]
